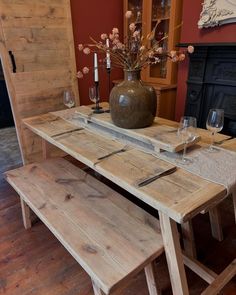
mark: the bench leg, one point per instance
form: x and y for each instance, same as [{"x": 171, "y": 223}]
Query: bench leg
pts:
[
  {"x": 216, "y": 226},
  {"x": 188, "y": 239},
  {"x": 96, "y": 289},
  {"x": 151, "y": 280},
  {"x": 25, "y": 214}
]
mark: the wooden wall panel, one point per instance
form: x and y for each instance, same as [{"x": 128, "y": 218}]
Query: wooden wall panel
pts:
[
  {"x": 32, "y": 10},
  {"x": 33, "y": 2},
  {"x": 39, "y": 34}
]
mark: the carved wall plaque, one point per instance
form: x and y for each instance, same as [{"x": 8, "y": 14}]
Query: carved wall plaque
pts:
[{"x": 217, "y": 12}]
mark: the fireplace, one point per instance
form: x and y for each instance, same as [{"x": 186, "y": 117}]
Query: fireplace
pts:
[
  {"x": 6, "y": 118},
  {"x": 212, "y": 83}
]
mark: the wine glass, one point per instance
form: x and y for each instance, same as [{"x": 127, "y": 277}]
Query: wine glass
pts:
[
  {"x": 187, "y": 131},
  {"x": 94, "y": 97},
  {"x": 68, "y": 98},
  {"x": 92, "y": 94},
  {"x": 214, "y": 123}
]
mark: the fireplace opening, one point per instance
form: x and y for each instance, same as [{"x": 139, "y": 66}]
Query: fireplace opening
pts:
[
  {"x": 229, "y": 127},
  {"x": 212, "y": 83},
  {"x": 6, "y": 118}
]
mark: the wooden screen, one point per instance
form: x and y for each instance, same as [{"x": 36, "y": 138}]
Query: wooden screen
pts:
[{"x": 38, "y": 58}]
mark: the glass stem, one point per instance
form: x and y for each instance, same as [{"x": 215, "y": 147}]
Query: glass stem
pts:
[
  {"x": 184, "y": 151},
  {"x": 212, "y": 140}
]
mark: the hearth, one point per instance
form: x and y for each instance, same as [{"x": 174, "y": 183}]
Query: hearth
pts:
[
  {"x": 6, "y": 118},
  {"x": 212, "y": 83}
]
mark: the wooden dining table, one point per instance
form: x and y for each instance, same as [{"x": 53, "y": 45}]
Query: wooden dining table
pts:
[{"x": 178, "y": 197}]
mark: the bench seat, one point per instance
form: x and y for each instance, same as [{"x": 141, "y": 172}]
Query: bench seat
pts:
[{"x": 109, "y": 236}]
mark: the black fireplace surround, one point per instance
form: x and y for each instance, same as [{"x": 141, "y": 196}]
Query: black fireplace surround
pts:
[{"x": 212, "y": 83}]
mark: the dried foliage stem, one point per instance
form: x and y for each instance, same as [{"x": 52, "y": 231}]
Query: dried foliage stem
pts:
[{"x": 136, "y": 52}]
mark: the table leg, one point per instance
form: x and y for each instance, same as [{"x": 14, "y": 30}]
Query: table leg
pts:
[
  {"x": 234, "y": 202},
  {"x": 216, "y": 226},
  {"x": 45, "y": 149},
  {"x": 174, "y": 256},
  {"x": 188, "y": 239},
  {"x": 49, "y": 150}
]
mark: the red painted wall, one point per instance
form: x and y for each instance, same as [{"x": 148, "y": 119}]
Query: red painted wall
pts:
[
  {"x": 91, "y": 18},
  {"x": 191, "y": 34}
]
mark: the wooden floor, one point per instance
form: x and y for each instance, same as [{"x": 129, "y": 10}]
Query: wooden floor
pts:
[{"x": 34, "y": 262}]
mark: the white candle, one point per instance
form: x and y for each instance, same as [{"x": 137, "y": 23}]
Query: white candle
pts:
[
  {"x": 108, "y": 55},
  {"x": 95, "y": 67}
]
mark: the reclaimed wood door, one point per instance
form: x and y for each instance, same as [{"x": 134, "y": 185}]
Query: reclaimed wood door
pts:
[{"x": 38, "y": 59}]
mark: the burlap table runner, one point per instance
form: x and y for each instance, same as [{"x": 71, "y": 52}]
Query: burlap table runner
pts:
[{"x": 218, "y": 167}]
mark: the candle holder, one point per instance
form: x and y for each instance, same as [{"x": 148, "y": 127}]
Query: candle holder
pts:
[
  {"x": 109, "y": 79},
  {"x": 109, "y": 84}
]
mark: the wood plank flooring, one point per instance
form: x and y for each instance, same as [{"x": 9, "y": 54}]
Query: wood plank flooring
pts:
[{"x": 34, "y": 263}]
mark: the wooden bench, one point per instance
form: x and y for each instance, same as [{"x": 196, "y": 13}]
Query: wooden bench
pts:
[{"x": 110, "y": 237}]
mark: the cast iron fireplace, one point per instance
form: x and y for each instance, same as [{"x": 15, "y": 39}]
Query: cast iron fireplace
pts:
[{"x": 212, "y": 83}]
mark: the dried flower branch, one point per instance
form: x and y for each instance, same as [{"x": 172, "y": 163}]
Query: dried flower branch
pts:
[{"x": 136, "y": 52}]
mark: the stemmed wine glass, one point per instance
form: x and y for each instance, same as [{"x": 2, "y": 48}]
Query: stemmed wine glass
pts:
[
  {"x": 187, "y": 132},
  {"x": 214, "y": 123},
  {"x": 68, "y": 98},
  {"x": 94, "y": 97},
  {"x": 92, "y": 94}
]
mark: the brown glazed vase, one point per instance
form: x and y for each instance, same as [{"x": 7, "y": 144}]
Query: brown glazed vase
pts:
[{"x": 132, "y": 104}]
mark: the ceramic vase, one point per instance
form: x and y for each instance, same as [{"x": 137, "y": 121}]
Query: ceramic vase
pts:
[{"x": 132, "y": 104}]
